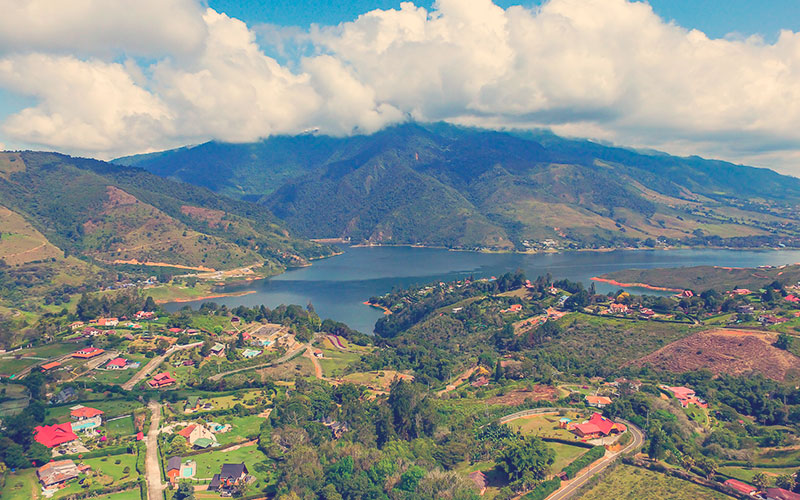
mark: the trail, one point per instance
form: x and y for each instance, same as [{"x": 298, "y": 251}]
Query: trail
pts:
[
  {"x": 317, "y": 367},
  {"x": 460, "y": 380},
  {"x": 155, "y": 487}
]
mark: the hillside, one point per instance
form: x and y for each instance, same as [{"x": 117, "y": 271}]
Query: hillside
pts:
[
  {"x": 701, "y": 278},
  {"x": 462, "y": 187},
  {"x": 88, "y": 217}
]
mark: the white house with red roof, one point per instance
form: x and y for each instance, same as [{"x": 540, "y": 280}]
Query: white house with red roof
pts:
[
  {"x": 54, "y": 435},
  {"x": 85, "y": 418},
  {"x": 598, "y": 426},
  {"x": 117, "y": 364}
]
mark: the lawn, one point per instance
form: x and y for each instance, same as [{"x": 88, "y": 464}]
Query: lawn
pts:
[
  {"x": 780, "y": 457},
  {"x": 746, "y": 475},
  {"x": 565, "y": 455},
  {"x": 545, "y": 426},
  {"x": 334, "y": 361},
  {"x": 111, "y": 407},
  {"x": 633, "y": 483},
  {"x": 241, "y": 428},
  {"x": 122, "y": 426},
  {"x": 19, "y": 360},
  {"x": 133, "y": 494},
  {"x": 210, "y": 463},
  {"x": 105, "y": 471},
  {"x": 21, "y": 486}
]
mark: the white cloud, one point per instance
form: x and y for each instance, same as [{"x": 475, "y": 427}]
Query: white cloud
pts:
[
  {"x": 608, "y": 69},
  {"x": 101, "y": 27}
]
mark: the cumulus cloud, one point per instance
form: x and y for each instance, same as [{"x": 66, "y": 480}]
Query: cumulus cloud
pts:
[{"x": 606, "y": 69}]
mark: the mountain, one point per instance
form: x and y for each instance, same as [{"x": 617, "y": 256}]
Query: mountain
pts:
[
  {"x": 438, "y": 184},
  {"x": 54, "y": 206}
]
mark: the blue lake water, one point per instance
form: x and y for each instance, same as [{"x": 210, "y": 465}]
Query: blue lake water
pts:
[{"x": 337, "y": 287}]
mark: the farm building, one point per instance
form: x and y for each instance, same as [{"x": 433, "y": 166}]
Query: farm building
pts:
[{"x": 87, "y": 353}]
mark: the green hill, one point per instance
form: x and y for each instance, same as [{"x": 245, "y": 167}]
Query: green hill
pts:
[
  {"x": 462, "y": 187},
  {"x": 55, "y": 208}
]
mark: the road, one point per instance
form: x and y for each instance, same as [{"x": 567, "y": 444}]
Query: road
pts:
[
  {"x": 569, "y": 488},
  {"x": 28, "y": 369},
  {"x": 317, "y": 367},
  {"x": 286, "y": 357},
  {"x": 153, "y": 364},
  {"x": 94, "y": 363},
  {"x": 155, "y": 488}
]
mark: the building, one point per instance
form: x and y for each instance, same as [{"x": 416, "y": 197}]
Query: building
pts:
[
  {"x": 54, "y": 435},
  {"x": 160, "y": 380},
  {"x": 148, "y": 315},
  {"x": 49, "y": 366},
  {"x": 686, "y": 396},
  {"x": 598, "y": 401},
  {"x": 252, "y": 353},
  {"x": 117, "y": 364},
  {"x": 218, "y": 349},
  {"x": 178, "y": 469},
  {"x": 598, "y": 426},
  {"x": 85, "y": 418},
  {"x": 64, "y": 395},
  {"x": 195, "y": 432},
  {"x": 230, "y": 476},
  {"x": 781, "y": 494},
  {"x": 54, "y": 474},
  {"x": 87, "y": 353},
  {"x": 618, "y": 309},
  {"x": 739, "y": 486},
  {"x": 107, "y": 322}
]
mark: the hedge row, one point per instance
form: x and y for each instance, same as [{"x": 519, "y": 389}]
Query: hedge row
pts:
[
  {"x": 579, "y": 444},
  {"x": 102, "y": 452},
  {"x": 544, "y": 490},
  {"x": 143, "y": 489},
  {"x": 583, "y": 461},
  {"x": 102, "y": 491}
]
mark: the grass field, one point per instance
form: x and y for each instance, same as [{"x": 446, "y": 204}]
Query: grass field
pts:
[
  {"x": 241, "y": 428},
  {"x": 565, "y": 455},
  {"x": 21, "y": 486},
  {"x": 210, "y": 463},
  {"x": 335, "y": 361},
  {"x": 133, "y": 494},
  {"x": 746, "y": 475},
  {"x": 19, "y": 360},
  {"x": 633, "y": 483},
  {"x": 111, "y": 408},
  {"x": 545, "y": 426},
  {"x": 120, "y": 427}
]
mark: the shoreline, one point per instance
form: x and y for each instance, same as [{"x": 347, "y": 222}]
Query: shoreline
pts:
[
  {"x": 378, "y": 306},
  {"x": 205, "y": 297},
  {"x": 635, "y": 285}
]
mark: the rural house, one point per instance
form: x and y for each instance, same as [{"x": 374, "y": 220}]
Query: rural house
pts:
[
  {"x": 598, "y": 426},
  {"x": 54, "y": 474},
  {"x": 85, "y": 418},
  {"x": 54, "y": 435},
  {"x": 230, "y": 476},
  {"x": 87, "y": 353},
  {"x": 198, "y": 435},
  {"x": 178, "y": 469},
  {"x": 598, "y": 401},
  {"x": 161, "y": 380}
]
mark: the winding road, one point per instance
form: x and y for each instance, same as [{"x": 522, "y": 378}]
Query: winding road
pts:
[{"x": 569, "y": 488}]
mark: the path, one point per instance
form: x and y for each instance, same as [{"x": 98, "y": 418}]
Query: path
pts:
[
  {"x": 458, "y": 381},
  {"x": 153, "y": 364},
  {"x": 286, "y": 357},
  {"x": 317, "y": 367},
  {"x": 155, "y": 487},
  {"x": 569, "y": 488},
  {"x": 28, "y": 369}
]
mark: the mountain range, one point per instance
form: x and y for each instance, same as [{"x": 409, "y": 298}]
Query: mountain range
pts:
[
  {"x": 460, "y": 187},
  {"x": 64, "y": 219}
]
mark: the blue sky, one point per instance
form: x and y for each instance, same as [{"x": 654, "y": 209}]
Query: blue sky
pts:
[
  {"x": 107, "y": 78},
  {"x": 716, "y": 18}
]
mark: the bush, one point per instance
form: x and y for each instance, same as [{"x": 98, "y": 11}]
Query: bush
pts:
[
  {"x": 544, "y": 490},
  {"x": 584, "y": 460}
]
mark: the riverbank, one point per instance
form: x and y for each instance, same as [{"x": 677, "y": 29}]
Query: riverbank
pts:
[
  {"x": 378, "y": 306},
  {"x": 635, "y": 285}
]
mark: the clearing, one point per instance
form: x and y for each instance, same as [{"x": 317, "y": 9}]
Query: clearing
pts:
[
  {"x": 633, "y": 483},
  {"x": 731, "y": 352},
  {"x": 519, "y": 396}
]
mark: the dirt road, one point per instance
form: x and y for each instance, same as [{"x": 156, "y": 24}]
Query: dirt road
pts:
[
  {"x": 155, "y": 488},
  {"x": 286, "y": 357},
  {"x": 317, "y": 367},
  {"x": 153, "y": 364}
]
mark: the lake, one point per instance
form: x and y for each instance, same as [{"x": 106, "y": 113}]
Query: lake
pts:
[{"x": 338, "y": 286}]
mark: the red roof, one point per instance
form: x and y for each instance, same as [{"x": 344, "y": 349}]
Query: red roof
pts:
[
  {"x": 120, "y": 362},
  {"x": 87, "y": 352},
  {"x": 781, "y": 494},
  {"x": 161, "y": 380},
  {"x": 598, "y": 424},
  {"x": 792, "y": 298},
  {"x": 85, "y": 412},
  {"x": 176, "y": 330},
  {"x": 139, "y": 436},
  {"x": 51, "y": 365},
  {"x": 54, "y": 435},
  {"x": 187, "y": 430},
  {"x": 740, "y": 486},
  {"x": 682, "y": 392},
  {"x": 598, "y": 400}
]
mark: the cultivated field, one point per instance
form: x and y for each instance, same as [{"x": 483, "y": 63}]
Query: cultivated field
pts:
[
  {"x": 725, "y": 351},
  {"x": 633, "y": 483}
]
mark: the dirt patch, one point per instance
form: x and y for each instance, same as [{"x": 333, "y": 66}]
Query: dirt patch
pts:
[
  {"x": 519, "y": 396},
  {"x": 212, "y": 217},
  {"x": 730, "y": 352},
  {"x": 118, "y": 197}
]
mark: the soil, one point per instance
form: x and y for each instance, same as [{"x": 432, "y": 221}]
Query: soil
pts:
[
  {"x": 722, "y": 351},
  {"x": 519, "y": 396}
]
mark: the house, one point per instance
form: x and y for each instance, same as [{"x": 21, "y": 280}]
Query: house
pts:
[
  {"x": 175, "y": 330},
  {"x": 218, "y": 349},
  {"x": 792, "y": 298},
  {"x": 64, "y": 395},
  {"x": 195, "y": 432},
  {"x": 85, "y": 418},
  {"x": 141, "y": 315},
  {"x": 480, "y": 381},
  {"x": 769, "y": 319},
  {"x": 598, "y": 426},
  {"x": 88, "y": 352},
  {"x": 686, "y": 294},
  {"x": 76, "y": 325},
  {"x": 686, "y": 396},
  {"x": 117, "y": 364},
  {"x": 741, "y": 291},
  {"x": 646, "y": 313},
  {"x": 54, "y": 474},
  {"x": 337, "y": 428},
  {"x": 91, "y": 331},
  {"x": 618, "y": 309},
  {"x": 54, "y": 435},
  {"x": 480, "y": 481},
  {"x": 49, "y": 366},
  {"x": 193, "y": 403},
  {"x": 598, "y": 401},
  {"x": 178, "y": 469},
  {"x": 781, "y": 494},
  {"x": 161, "y": 380},
  {"x": 230, "y": 476},
  {"x": 514, "y": 308},
  {"x": 252, "y": 353},
  {"x": 107, "y": 322},
  {"x": 739, "y": 486}
]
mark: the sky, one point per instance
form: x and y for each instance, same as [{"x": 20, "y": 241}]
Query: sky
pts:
[{"x": 106, "y": 78}]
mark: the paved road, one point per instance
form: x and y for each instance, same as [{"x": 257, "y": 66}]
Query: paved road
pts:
[
  {"x": 568, "y": 489},
  {"x": 155, "y": 488},
  {"x": 286, "y": 357},
  {"x": 153, "y": 364}
]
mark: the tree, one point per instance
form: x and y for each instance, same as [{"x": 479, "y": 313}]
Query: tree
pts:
[
  {"x": 185, "y": 491},
  {"x": 658, "y": 441},
  {"x": 785, "y": 481},
  {"x": 411, "y": 478},
  {"x": 760, "y": 481},
  {"x": 708, "y": 466},
  {"x": 149, "y": 304},
  {"x": 526, "y": 454},
  {"x": 784, "y": 341}
]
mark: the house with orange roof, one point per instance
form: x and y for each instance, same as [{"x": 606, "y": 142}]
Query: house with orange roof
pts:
[
  {"x": 598, "y": 401},
  {"x": 107, "y": 322},
  {"x": 598, "y": 426},
  {"x": 88, "y": 352},
  {"x": 85, "y": 418},
  {"x": 54, "y": 435},
  {"x": 49, "y": 366},
  {"x": 160, "y": 380}
]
